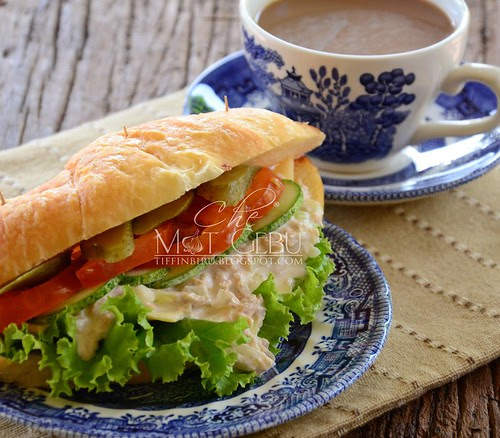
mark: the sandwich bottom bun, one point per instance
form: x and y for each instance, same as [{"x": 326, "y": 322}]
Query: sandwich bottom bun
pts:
[
  {"x": 27, "y": 374},
  {"x": 24, "y": 374}
]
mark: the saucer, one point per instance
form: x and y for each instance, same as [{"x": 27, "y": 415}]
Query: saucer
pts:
[{"x": 430, "y": 167}]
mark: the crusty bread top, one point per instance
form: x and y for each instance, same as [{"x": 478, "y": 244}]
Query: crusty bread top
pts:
[{"x": 124, "y": 174}]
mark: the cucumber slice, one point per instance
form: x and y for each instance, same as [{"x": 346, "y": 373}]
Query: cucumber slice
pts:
[
  {"x": 135, "y": 277},
  {"x": 180, "y": 274},
  {"x": 79, "y": 301},
  {"x": 290, "y": 201}
]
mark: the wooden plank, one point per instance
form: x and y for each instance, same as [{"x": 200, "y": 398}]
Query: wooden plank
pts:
[
  {"x": 468, "y": 407},
  {"x": 67, "y": 62},
  {"x": 475, "y": 44},
  {"x": 475, "y": 393},
  {"x": 484, "y": 37},
  {"x": 491, "y": 34},
  {"x": 494, "y": 402}
]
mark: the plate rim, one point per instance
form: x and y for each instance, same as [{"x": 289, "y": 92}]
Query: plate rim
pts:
[
  {"x": 372, "y": 348},
  {"x": 341, "y": 195}
]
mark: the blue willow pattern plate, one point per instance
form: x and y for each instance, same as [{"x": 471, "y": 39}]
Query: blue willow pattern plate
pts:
[
  {"x": 316, "y": 363},
  {"x": 430, "y": 167}
]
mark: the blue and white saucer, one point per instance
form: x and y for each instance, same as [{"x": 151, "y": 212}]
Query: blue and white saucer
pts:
[
  {"x": 434, "y": 166},
  {"x": 319, "y": 361}
]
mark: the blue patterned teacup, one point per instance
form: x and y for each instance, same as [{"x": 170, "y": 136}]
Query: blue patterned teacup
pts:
[{"x": 369, "y": 106}]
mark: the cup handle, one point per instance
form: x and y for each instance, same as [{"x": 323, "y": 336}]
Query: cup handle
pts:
[{"x": 487, "y": 74}]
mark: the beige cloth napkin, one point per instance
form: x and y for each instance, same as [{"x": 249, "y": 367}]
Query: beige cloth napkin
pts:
[{"x": 440, "y": 255}]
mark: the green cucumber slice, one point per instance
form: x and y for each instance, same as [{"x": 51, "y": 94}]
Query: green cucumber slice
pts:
[
  {"x": 135, "y": 277},
  {"x": 290, "y": 201},
  {"x": 79, "y": 301},
  {"x": 180, "y": 274}
]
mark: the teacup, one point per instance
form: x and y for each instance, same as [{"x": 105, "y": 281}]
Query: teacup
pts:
[{"x": 369, "y": 106}]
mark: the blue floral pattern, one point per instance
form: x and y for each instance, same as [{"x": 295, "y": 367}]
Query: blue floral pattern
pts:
[
  {"x": 364, "y": 128},
  {"x": 356, "y": 130},
  {"x": 354, "y": 322},
  {"x": 262, "y": 57}
]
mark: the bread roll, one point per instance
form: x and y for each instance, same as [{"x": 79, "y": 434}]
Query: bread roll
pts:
[{"x": 125, "y": 174}]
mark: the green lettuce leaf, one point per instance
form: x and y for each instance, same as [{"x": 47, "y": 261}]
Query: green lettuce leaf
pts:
[
  {"x": 276, "y": 324},
  {"x": 168, "y": 361},
  {"x": 206, "y": 344},
  {"x": 128, "y": 341},
  {"x": 305, "y": 299},
  {"x": 165, "y": 348},
  {"x": 17, "y": 343}
]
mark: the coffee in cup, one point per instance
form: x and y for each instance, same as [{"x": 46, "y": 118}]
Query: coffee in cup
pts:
[{"x": 357, "y": 27}]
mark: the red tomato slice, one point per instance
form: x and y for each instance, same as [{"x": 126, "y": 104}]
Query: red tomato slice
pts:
[
  {"x": 18, "y": 306},
  {"x": 264, "y": 191},
  {"x": 223, "y": 229}
]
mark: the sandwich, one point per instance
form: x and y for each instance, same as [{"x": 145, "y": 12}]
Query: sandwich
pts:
[{"x": 183, "y": 243}]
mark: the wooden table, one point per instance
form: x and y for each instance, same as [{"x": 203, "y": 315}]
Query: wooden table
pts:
[{"x": 64, "y": 62}]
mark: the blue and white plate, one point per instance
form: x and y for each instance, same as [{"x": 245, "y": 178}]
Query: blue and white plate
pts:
[
  {"x": 319, "y": 361},
  {"x": 434, "y": 166}
]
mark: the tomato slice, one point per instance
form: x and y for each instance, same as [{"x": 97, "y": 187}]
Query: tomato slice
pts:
[
  {"x": 264, "y": 191},
  {"x": 95, "y": 272},
  {"x": 221, "y": 227},
  {"x": 18, "y": 306}
]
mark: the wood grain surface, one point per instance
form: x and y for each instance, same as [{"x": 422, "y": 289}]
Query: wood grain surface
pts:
[{"x": 64, "y": 62}]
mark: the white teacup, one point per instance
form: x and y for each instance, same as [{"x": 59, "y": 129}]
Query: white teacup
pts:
[{"x": 378, "y": 102}]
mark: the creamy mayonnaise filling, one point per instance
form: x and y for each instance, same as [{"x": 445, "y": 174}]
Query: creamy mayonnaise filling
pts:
[
  {"x": 92, "y": 325},
  {"x": 223, "y": 292}
]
